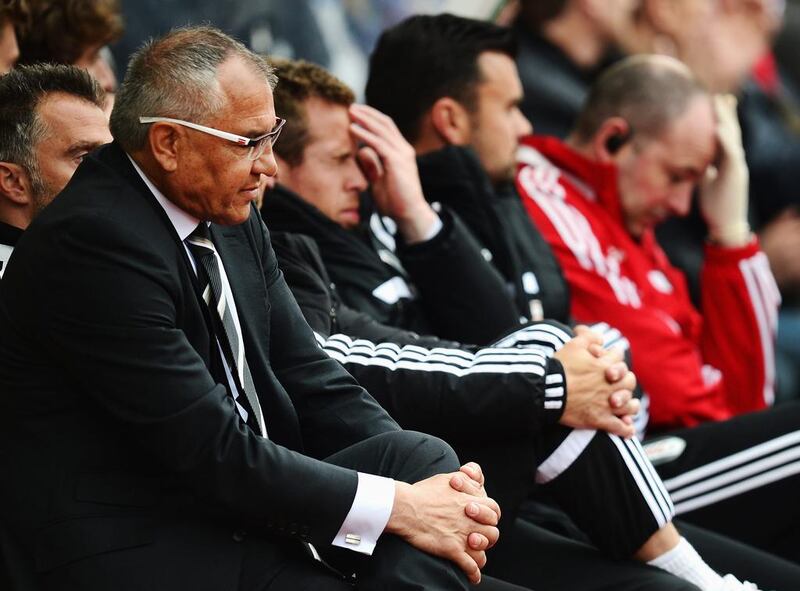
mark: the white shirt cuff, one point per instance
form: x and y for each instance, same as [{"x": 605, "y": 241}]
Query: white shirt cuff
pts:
[
  {"x": 434, "y": 230},
  {"x": 368, "y": 515}
]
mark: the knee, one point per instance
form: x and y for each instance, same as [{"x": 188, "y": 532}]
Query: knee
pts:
[{"x": 422, "y": 455}]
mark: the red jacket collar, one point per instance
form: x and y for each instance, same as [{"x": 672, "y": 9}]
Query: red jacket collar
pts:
[{"x": 595, "y": 181}]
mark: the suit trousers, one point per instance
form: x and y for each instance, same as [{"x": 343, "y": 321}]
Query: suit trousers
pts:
[{"x": 403, "y": 455}]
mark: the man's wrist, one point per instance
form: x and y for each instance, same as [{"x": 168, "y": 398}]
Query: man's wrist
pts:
[
  {"x": 400, "y": 508},
  {"x": 733, "y": 235},
  {"x": 420, "y": 226}
]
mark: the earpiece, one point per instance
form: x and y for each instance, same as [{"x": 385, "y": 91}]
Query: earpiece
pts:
[{"x": 616, "y": 141}]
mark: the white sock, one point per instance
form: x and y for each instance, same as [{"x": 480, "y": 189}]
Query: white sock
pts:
[{"x": 683, "y": 561}]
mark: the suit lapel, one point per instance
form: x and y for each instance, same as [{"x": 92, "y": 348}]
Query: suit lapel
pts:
[{"x": 238, "y": 252}]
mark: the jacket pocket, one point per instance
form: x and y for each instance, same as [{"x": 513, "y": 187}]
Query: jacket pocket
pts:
[{"x": 118, "y": 489}]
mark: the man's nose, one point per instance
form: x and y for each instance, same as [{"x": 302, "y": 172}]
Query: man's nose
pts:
[
  {"x": 266, "y": 164},
  {"x": 356, "y": 181},
  {"x": 681, "y": 200},
  {"x": 522, "y": 126}
]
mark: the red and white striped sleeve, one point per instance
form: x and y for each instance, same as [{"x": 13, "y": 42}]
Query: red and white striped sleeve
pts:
[{"x": 740, "y": 311}]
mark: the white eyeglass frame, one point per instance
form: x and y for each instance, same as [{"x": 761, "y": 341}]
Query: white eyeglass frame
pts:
[{"x": 257, "y": 145}]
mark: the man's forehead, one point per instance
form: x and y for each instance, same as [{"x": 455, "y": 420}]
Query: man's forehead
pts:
[
  {"x": 327, "y": 122},
  {"x": 691, "y": 138},
  {"x": 499, "y": 74},
  {"x": 61, "y": 110},
  {"x": 247, "y": 92}
]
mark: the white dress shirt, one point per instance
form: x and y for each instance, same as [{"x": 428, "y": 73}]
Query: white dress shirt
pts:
[{"x": 374, "y": 499}]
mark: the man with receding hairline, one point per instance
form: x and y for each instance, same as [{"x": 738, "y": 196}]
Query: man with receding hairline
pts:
[{"x": 646, "y": 138}]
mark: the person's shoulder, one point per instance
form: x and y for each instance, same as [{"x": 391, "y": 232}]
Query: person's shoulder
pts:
[{"x": 104, "y": 204}]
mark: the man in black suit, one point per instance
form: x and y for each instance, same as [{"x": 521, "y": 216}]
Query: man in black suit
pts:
[{"x": 166, "y": 418}]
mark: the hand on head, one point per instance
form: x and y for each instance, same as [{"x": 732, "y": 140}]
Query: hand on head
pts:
[
  {"x": 724, "y": 191},
  {"x": 390, "y": 165}
]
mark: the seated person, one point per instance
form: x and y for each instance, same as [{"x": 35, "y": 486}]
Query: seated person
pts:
[
  {"x": 414, "y": 280},
  {"x": 605, "y": 244},
  {"x": 642, "y": 144},
  {"x": 50, "y": 118},
  {"x": 464, "y": 122}
]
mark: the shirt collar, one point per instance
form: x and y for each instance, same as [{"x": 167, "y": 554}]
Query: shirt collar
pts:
[
  {"x": 183, "y": 222},
  {"x": 9, "y": 234}
]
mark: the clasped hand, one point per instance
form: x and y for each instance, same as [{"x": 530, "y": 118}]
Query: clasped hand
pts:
[
  {"x": 599, "y": 386},
  {"x": 450, "y": 516}
]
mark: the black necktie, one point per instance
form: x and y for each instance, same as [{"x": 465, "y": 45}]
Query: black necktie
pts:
[{"x": 227, "y": 332}]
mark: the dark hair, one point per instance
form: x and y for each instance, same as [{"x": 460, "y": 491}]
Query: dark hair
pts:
[
  {"x": 15, "y": 11},
  {"x": 534, "y": 14},
  {"x": 21, "y": 92},
  {"x": 60, "y": 31},
  {"x": 425, "y": 58},
  {"x": 648, "y": 91},
  {"x": 299, "y": 81}
]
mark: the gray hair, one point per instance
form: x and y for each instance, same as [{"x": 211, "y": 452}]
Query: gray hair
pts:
[
  {"x": 176, "y": 76},
  {"x": 22, "y": 90},
  {"x": 648, "y": 91}
]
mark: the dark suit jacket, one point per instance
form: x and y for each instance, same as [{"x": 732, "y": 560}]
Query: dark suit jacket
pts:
[{"x": 117, "y": 435}]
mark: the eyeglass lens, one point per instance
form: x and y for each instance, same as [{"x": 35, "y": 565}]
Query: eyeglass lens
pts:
[{"x": 258, "y": 149}]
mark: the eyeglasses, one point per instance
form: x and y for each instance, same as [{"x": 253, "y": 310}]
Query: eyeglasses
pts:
[{"x": 257, "y": 145}]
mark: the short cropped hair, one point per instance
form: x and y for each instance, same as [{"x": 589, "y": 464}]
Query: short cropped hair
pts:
[
  {"x": 648, "y": 91},
  {"x": 21, "y": 92},
  {"x": 59, "y": 31},
  {"x": 299, "y": 81},
  {"x": 425, "y": 58},
  {"x": 176, "y": 76}
]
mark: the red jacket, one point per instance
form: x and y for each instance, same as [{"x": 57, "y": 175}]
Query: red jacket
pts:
[{"x": 695, "y": 366}]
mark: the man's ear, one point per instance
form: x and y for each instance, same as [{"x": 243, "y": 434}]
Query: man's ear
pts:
[
  {"x": 165, "y": 139},
  {"x": 451, "y": 121},
  {"x": 15, "y": 184},
  {"x": 613, "y": 136}
]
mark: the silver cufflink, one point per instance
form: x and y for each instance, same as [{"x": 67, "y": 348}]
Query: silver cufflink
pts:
[{"x": 353, "y": 539}]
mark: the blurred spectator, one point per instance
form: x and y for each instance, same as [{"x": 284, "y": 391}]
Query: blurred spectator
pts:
[
  {"x": 719, "y": 41},
  {"x": 285, "y": 28},
  {"x": 563, "y": 44},
  {"x": 12, "y": 13},
  {"x": 73, "y": 32}
]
